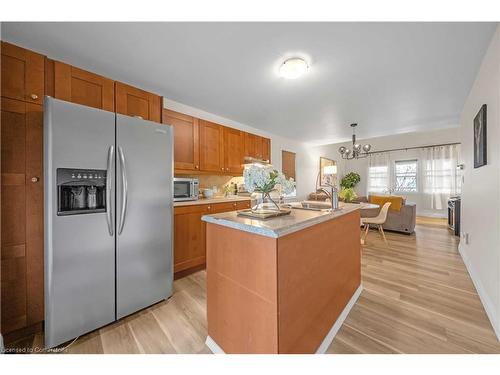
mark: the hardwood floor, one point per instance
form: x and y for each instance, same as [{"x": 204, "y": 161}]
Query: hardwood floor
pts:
[{"x": 417, "y": 298}]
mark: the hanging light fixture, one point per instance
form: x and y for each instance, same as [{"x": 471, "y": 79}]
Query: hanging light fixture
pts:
[{"x": 357, "y": 151}]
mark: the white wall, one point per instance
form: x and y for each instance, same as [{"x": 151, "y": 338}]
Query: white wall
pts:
[
  {"x": 307, "y": 163},
  {"x": 415, "y": 139},
  {"x": 481, "y": 188}
]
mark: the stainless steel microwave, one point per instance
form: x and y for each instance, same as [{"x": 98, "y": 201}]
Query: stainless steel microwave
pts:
[{"x": 186, "y": 189}]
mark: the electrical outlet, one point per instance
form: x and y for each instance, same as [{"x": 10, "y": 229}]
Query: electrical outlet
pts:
[{"x": 465, "y": 237}]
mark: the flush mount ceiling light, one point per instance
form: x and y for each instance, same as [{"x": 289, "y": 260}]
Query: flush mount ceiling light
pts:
[{"x": 293, "y": 68}]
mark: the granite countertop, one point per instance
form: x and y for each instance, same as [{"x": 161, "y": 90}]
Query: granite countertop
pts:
[
  {"x": 279, "y": 226},
  {"x": 231, "y": 198}
]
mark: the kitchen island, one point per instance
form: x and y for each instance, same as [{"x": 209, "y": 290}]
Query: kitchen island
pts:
[{"x": 281, "y": 285}]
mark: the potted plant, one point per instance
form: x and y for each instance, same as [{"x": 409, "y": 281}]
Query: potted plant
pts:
[
  {"x": 347, "y": 184},
  {"x": 263, "y": 180}
]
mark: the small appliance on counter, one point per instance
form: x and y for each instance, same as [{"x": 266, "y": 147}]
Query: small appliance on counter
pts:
[
  {"x": 454, "y": 215},
  {"x": 208, "y": 193},
  {"x": 186, "y": 189}
]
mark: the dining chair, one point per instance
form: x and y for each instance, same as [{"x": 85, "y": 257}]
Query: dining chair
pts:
[{"x": 378, "y": 220}]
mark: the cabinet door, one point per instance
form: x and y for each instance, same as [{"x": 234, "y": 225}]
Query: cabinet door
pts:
[
  {"x": 189, "y": 236},
  {"x": 253, "y": 146},
  {"x": 22, "y": 214},
  {"x": 135, "y": 102},
  {"x": 79, "y": 86},
  {"x": 211, "y": 147},
  {"x": 22, "y": 74},
  {"x": 266, "y": 149},
  {"x": 233, "y": 151},
  {"x": 186, "y": 139},
  {"x": 241, "y": 205}
]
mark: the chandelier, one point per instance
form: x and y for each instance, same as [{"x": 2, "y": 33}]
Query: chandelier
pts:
[{"x": 358, "y": 151}]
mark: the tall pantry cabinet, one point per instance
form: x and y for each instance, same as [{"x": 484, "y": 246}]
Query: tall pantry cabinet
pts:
[{"x": 22, "y": 91}]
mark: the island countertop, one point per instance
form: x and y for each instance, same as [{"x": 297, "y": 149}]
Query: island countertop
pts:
[{"x": 280, "y": 226}]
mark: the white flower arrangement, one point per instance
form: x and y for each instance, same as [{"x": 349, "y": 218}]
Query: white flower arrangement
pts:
[{"x": 265, "y": 179}]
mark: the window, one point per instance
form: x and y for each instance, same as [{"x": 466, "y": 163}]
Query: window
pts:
[
  {"x": 441, "y": 177},
  {"x": 378, "y": 179},
  {"x": 405, "y": 176}
]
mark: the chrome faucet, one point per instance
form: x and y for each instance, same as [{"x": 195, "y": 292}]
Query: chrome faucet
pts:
[{"x": 333, "y": 196}]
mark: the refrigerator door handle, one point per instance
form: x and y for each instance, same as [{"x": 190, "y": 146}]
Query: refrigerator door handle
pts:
[
  {"x": 109, "y": 215},
  {"x": 124, "y": 190}
]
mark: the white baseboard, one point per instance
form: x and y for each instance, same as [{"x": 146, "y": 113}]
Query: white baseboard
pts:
[
  {"x": 212, "y": 345},
  {"x": 485, "y": 299},
  {"x": 338, "y": 323},
  {"x": 216, "y": 349}
]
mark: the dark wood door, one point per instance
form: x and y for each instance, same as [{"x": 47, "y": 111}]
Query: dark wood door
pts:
[
  {"x": 22, "y": 214},
  {"x": 288, "y": 164},
  {"x": 266, "y": 149},
  {"x": 80, "y": 86},
  {"x": 186, "y": 139},
  {"x": 211, "y": 147},
  {"x": 23, "y": 73},
  {"x": 233, "y": 150},
  {"x": 135, "y": 102}
]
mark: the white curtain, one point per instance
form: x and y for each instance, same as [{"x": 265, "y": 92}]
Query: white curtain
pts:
[
  {"x": 440, "y": 178},
  {"x": 379, "y": 173}
]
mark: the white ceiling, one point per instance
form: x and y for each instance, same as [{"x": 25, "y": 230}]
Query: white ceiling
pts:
[{"x": 388, "y": 77}]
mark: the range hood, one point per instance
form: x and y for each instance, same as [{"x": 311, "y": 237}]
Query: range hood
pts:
[{"x": 248, "y": 160}]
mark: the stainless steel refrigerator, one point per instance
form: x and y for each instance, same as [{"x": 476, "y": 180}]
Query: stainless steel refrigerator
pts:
[{"x": 108, "y": 217}]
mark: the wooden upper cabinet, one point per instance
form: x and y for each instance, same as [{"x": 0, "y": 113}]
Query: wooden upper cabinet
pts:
[
  {"x": 266, "y": 149},
  {"x": 211, "y": 146},
  {"x": 233, "y": 150},
  {"x": 135, "y": 102},
  {"x": 80, "y": 86},
  {"x": 250, "y": 145},
  {"x": 186, "y": 139},
  {"x": 23, "y": 74},
  {"x": 257, "y": 146}
]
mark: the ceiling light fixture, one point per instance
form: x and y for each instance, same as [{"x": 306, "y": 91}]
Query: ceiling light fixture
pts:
[
  {"x": 293, "y": 68},
  {"x": 355, "y": 153}
]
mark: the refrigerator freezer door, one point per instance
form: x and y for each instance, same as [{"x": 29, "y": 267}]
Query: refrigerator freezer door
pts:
[
  {"x": 79, "y": 249},
  {"x": 144, "y": 214}
]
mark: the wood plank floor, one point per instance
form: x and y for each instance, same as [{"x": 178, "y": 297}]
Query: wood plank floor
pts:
[{"x": 417, "y": 298}]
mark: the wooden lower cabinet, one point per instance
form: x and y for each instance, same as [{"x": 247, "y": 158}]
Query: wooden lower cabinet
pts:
[
  {"x": 189, "y": 232},
  {"x": 22, "y": 215}
]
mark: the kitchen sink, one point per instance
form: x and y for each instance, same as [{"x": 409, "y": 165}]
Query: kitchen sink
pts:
[{"x": 311, "y": 206}]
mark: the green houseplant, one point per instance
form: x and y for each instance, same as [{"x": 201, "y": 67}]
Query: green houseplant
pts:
[{"x": 348, "y": 182}]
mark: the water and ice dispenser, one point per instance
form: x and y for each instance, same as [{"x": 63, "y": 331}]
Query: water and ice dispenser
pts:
[{"x": 81, "y": 191}]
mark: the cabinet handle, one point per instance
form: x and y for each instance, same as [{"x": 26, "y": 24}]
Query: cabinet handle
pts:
[
  {"x": 227, "y": 169},
  {"x": 222, "y": 168},
  {"x": 209, "y": 208},
  {"x": 197, "y": 166},
  {"x": 35, "y": 179},
  {"x": 34, "y": 96}
]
